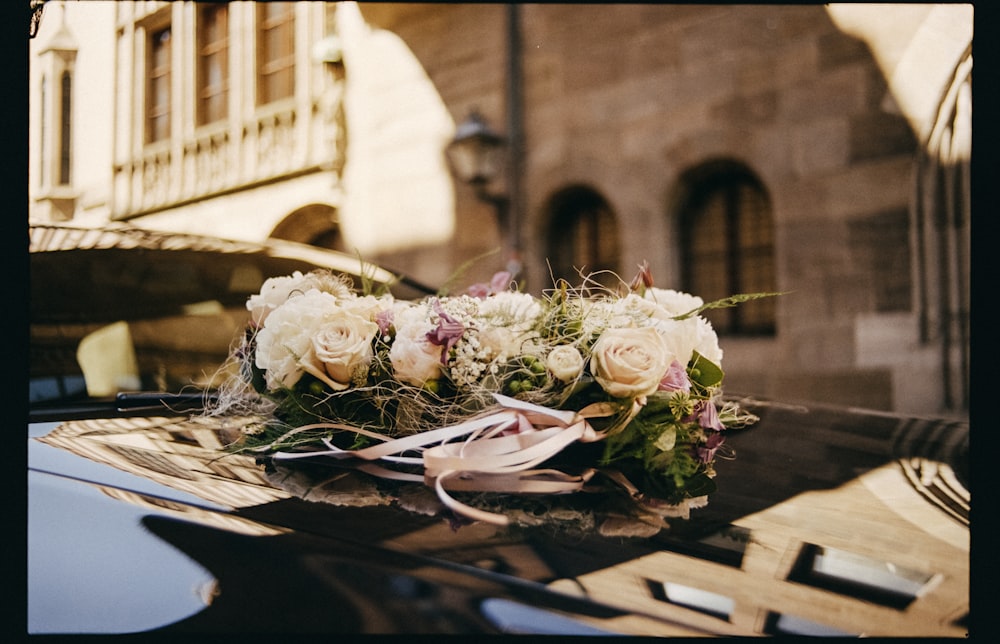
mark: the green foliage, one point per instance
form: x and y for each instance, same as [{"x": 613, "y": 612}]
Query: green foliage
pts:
[
  {"x": 728, "y": 302},
  {"x": 458, "y": 274},
  {"x": 704, "y": 372}
]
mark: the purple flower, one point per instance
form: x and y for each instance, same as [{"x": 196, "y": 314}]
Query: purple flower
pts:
[
  {"x": 676, "y": 378},
  {"x": 708, "y": 415},
  {"x": 712, "y": 444},
  {"x": 447, "y": 333},
  {"x": 384, "y": 320},
  {"x": 498, "y": 283}
]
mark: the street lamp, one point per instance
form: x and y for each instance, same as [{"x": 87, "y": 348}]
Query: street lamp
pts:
[
  {"x": 476, "y": 155},
  {"x": 476, "y": 152}
]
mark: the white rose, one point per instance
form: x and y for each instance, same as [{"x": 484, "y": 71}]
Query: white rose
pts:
[
  {"x": 630, "y": 362},
  {"x": 340, "y": 348},
  {"x": 415, "y": 360},
  {"x": 287, "y": 336},
  {"x": 684, "y": 337},
  {"x": 564, "y": 362}
]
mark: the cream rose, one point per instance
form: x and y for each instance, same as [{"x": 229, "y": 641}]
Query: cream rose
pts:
[
  {"x": 287, "y": 336},
  {"x": 415, "y": 360},
  {"x": 340, "y": 348},
  {"x": 564, "y": 362},
  {"x": 630, "y": 362}
]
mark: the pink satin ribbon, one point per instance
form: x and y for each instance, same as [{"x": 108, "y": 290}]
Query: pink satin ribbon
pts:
[{"x": 490, "y": 458}]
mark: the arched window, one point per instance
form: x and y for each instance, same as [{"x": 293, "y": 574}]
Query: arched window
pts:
[
  {"x": 727, "y": 244},
  {"x": 582, "y": 236}
]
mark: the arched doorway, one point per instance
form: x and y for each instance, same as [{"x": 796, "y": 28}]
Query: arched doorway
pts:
[{"x": 314, "y": 224}]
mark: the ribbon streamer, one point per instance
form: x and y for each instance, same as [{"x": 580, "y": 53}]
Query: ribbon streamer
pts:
[{"x": 490, "y": 458}]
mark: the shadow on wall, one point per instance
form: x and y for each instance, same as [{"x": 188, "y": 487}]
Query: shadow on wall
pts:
[{"x": 398, "y": 192}]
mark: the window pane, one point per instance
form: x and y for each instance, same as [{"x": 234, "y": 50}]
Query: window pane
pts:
[
  {"x": 583, "y": 234},
  {"x": 66, "y": 116},
  {"x": 158, "y": 94},
  {"x": 276, "y": 51},
  {"x": 213, "y": 63},
  {"x": 756, "y": 256},
  {"x": 707, "y": 250}
]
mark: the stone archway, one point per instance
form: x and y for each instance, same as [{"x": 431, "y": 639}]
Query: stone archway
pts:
[{"x": 315, "y": 224}]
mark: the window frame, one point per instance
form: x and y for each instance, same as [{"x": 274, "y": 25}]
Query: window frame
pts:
[{"x": 742, "y": 265}]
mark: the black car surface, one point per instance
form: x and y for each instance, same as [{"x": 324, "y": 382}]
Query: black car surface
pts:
[{"x": 830, "y": 521}]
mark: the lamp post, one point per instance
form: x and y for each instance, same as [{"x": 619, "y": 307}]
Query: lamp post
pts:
[{"x": 476, "y": 156}]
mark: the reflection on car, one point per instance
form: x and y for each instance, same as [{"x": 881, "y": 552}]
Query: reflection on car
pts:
[{"x": 150, "y": 310}]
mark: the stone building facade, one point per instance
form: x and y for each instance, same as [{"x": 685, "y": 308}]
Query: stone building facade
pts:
[{"x": 817, "y": 150}]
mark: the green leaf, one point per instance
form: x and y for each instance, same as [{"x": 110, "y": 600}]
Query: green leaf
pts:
[
  {"x": 727, "y": 302},
  {"x": 704, "y": 372}
]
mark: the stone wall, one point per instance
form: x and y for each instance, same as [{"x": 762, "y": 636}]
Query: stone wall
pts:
[{"x": 624, "y": 99}]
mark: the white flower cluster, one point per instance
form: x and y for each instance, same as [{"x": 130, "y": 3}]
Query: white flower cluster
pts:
[
  {"x": 319, "y": 350},
  {"x": 316, "y": 324}
]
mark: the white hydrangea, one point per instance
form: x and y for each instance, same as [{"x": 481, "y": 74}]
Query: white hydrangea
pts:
[{"x": 516, "y": 311}]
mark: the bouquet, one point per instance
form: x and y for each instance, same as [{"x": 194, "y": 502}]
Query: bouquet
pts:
[{"x": 493, "y": 390}]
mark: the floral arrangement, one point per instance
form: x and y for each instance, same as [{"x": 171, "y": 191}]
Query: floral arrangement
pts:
[{"x": 493, "y": 390}]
